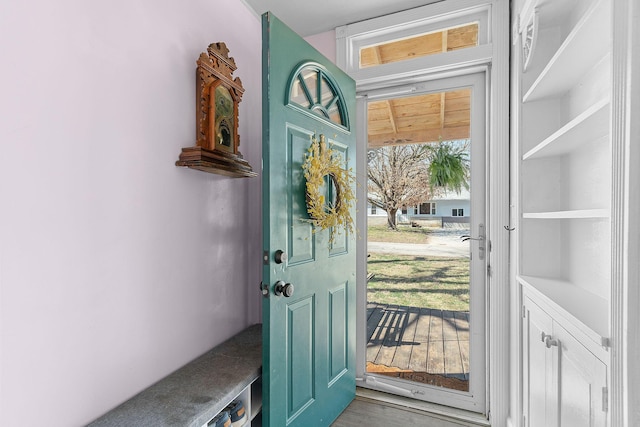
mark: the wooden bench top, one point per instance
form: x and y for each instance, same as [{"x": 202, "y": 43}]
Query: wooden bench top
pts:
[{"x": 195, "y": 393}]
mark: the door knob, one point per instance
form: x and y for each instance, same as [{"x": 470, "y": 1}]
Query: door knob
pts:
[
  {"x": 282, "y": 288},
  {"x": 280, "y": 256}
]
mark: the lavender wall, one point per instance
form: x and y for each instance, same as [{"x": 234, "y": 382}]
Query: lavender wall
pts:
[
  {"x": 325, "y": 43},
  {"x": 116, "y": 267}
]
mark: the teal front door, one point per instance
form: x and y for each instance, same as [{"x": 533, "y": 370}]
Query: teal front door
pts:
[{"x": 309, "y": 283}]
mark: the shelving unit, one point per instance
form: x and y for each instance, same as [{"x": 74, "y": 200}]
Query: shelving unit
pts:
[
  {"x": 583, "y": 47},
  {"x": 574, "y": 214},
  {"x": 564, "y": 173},
  {"x": 591, "y": 124},
  {"x": 573, "y": 304}
]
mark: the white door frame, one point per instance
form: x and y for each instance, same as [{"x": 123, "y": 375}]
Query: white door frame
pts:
[
  {"x": 495, "y": 55},
  {"x": 475, "y": 399}
]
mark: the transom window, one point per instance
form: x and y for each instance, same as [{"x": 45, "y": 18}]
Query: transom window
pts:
[
  {"x": 313, "y": 90},
  {"x": 446, "y": 40}
]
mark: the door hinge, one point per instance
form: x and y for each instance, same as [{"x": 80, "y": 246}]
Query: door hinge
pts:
[
  {"x": 605, "y": 399},
  {"x": 488, "y": 270},
  {"x": 524, "y": 311},
  {"x": 524, "y": 420}
]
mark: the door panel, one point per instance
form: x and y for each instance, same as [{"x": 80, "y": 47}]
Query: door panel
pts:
[
  {"x": 338, "y": 349},
  {"x": 582, "y": 377},
  {"x": 540, "y": 366},
  {"x": 300, "y": 358},
  {"x": 309, "y": 336},
  {"x": 301, "y": 243}
]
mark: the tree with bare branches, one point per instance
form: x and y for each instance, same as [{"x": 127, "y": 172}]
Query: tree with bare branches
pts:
[{"x": 406, "y": 175}]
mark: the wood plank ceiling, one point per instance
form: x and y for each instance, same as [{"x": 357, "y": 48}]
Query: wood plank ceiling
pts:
[{"x": 420, "y": 118}]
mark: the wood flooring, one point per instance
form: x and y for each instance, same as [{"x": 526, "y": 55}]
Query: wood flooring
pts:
[
  {"x": 411, "y": 339},
  {"x": 363, "y": 412}
]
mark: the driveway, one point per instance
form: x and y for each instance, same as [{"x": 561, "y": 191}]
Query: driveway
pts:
[{"x": 444, "y": 243}]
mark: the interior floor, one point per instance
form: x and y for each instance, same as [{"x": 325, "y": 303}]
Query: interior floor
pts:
[{"x": 376, "y": 409}]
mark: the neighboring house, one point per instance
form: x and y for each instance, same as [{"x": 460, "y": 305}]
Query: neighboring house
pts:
[{"x": 451, "y": 204}]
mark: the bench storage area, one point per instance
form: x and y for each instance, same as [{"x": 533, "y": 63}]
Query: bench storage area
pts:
[{"x": 200, "y": 390}]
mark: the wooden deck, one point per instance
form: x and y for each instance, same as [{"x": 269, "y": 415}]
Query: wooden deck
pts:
[{"x": 411, "y": 339}]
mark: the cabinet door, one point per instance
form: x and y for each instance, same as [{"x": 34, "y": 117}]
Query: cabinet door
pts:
[
  {"x": 582, "y": 379},
  {"x": 539, "y": 383}
]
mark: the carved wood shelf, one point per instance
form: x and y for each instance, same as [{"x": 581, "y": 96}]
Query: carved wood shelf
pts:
[{"x": 215, "y": 162}]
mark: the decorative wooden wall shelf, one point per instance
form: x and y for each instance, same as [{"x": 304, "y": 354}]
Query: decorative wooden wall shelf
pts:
[{"x": 218, "y": 96}]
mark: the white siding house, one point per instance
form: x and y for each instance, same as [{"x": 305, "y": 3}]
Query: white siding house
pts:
[{"x": 451, "y": 204}]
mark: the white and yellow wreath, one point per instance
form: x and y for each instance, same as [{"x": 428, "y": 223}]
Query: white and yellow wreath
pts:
[{"x": 320, "y": 162}]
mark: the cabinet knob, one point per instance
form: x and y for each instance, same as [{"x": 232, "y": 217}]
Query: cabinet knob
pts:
[
  {"x": 548, "y": 340},
  {"x": 551, "y": 342}
]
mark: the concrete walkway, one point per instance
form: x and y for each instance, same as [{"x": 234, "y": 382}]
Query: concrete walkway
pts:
[{"x": 444, "y": 243}]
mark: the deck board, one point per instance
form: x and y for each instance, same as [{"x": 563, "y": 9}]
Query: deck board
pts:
[{"x": 403, "y": 338}]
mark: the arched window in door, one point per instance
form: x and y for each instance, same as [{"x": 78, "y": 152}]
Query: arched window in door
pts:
[{"x": 313, "y": 90}]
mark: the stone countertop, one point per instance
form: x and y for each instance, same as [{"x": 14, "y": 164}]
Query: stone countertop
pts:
[{"x": 195, "y": 393}]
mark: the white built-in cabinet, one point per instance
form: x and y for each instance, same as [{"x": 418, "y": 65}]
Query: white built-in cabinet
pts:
[{"x": 564, "y": 177}]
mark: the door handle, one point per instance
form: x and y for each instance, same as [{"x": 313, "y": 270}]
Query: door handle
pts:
[
  {"x": 481, "y": 239},
  {"x": 283, "y": 289}
]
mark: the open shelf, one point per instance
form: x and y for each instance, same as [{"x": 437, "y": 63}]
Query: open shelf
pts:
[
  {"x": 581, "y": 50},
  {"x": 593, "y": 123},
  {"x": 256, "y": 399},
  {"x": 577, "y": 306},
  {"x": 570, "y": 214}
]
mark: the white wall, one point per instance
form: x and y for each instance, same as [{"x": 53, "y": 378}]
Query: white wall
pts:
[{"x": 116, "y": 267}]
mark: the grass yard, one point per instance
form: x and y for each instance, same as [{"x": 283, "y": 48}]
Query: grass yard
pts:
[
  {"x": 419, "y": 281},
  {"x": 405, "y": 234}
]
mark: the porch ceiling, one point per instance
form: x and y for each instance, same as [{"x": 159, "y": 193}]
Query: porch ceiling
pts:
[{"x": 420, "y": 118}]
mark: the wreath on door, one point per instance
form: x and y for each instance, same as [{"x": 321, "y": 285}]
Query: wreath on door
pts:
[{"x": 324, "y": 166}]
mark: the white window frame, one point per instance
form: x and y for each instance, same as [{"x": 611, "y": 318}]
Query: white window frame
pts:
[
  {"x": 351, "y": 38},
  {"x": 491, "y": 56}
]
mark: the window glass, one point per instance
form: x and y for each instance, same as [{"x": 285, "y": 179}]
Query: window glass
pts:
[
  {"x": 431, "y": 43},
  {"x": 313, "y": 90},
  {"x": 428, "y": 208}
]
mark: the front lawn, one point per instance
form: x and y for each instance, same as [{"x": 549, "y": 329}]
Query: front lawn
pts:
[{"x": 419, "y": 281}]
